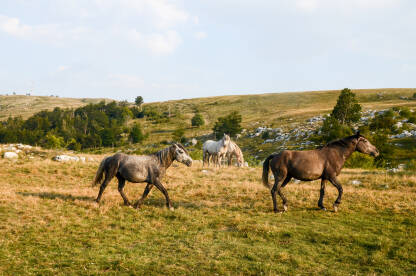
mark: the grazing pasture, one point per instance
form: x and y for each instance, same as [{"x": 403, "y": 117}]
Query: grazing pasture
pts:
[{"x": 222, "y": 224}]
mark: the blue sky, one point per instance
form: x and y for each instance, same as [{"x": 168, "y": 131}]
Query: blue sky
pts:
[{"x": 165, "y": 50}]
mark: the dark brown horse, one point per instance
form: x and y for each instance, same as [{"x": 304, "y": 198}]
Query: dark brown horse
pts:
[
  {"x": 140, "y": 168},
  {"x": 324, "y": 163}
]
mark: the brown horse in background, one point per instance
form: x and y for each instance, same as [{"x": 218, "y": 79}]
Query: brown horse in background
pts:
[
  {"x": 140, "y": 168},
  {"x": 324, "y": 163}
]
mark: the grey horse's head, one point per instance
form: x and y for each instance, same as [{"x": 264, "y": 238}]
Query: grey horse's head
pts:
[
  {"x": 181, "y": 155},
  {"x": 364, "y": 146}
]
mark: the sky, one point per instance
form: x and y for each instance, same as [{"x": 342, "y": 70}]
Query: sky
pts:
[{"x": 164, "y": 50}]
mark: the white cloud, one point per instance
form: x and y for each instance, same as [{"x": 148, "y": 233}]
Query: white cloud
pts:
[
  {"x": 307, "y": 5},
  {"x": 161, "y": 13},
  {"x": 52, "y": 33},
  {"x": 200, "y": 35},
  {"x": 157, "y": 43}
]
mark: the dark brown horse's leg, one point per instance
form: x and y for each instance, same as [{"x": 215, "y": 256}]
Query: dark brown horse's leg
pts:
[
  {"x": 337, "y": 185},
  {"x": 321, "y": 195},
  {"x": 163, "y": 190},
  {"x": 139, "y": 203},
  {"x": 121, "y": 183},
  {"x": 102, "y": 187},
  {"x": 277, "y": 187},
  {"x": 280, "y": 192}
]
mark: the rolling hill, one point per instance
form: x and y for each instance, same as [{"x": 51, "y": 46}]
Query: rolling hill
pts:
[{"x": 25, "y": 106}]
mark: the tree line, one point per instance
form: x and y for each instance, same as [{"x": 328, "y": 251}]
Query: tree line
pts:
[{"x": 90, "y": 126}]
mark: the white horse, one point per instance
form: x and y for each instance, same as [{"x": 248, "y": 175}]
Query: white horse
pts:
[
  {"x": 234, "y": 150},
  {"x": 216, "y": 149}
]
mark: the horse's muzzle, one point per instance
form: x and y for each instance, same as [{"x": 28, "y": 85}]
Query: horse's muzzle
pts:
[{"x": 188, "y": 163}]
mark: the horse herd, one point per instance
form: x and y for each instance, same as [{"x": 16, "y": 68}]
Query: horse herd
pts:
[{"x": 323, "y": 163}]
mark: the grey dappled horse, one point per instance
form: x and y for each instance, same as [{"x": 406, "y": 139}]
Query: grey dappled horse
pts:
[
  {"x": 324, "y": 163},
  {"x": 140, "y": 168}
]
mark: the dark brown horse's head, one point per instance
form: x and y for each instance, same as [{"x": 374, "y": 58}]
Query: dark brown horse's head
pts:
[
  {"x": 364, "y": 146},
  {"x": 181, "y": 155}
]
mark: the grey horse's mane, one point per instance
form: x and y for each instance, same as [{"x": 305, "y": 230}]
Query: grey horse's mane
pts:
[
  {"x": 182, "y": 147},
  {"x": 166, "y": 153}
]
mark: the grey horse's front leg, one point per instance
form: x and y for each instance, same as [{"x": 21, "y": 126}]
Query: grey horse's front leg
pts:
[
  {"x": 165, "y": 192},
  {"x": 139, "y": 203}
]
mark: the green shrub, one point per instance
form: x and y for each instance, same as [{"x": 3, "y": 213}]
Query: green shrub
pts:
[
  {"x": 230, "y": 124},
  {"x": 359, "y": 160},
  {"x": 197, "y": 120},
  {"x": 136, "y": 134}
]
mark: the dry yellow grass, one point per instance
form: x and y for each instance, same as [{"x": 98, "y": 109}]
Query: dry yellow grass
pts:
[
  {"x": 25, "y": 106},
  {"x": 222, "y": 224}
]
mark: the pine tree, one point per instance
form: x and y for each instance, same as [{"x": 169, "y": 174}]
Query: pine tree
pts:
[{"x": 347, "y": 110}]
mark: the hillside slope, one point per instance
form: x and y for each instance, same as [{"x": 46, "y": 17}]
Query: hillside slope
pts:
[
  {"x": 25, "y": 106},
  {"x": 273, "y": 110}
]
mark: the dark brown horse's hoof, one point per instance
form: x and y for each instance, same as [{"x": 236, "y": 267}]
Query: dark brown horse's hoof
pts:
[
  {"x": 322, "y": 208},
  {"x": 335, "y": 208}
]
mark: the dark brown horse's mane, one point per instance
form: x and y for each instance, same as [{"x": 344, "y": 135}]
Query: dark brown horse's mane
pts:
[{"x": 344, "y": 142}]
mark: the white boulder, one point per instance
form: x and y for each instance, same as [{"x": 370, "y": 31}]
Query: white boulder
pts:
[
  {"x": 65, "y": 158},
  {"x": 10, "y": 155}
]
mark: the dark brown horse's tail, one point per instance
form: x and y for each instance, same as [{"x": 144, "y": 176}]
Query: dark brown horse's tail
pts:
[
  {"x": 100, "y": 173},
  {"x": 266, "y": 168}
]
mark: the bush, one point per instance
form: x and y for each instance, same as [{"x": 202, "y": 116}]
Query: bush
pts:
[
  {"x": 230, "y": 124},
  {"x": 359, "y": 160},
  {"x": 332, "y": 129},
  {"x": 405, "y": 112},
  {"x": 178, "y": 134},
  {"x": 136, "y": 134},
  {"x": 197, "y": 120},
  {"x": 51, "y": 141}
]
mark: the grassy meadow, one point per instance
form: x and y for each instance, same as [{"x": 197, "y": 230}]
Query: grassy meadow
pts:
[
  {"x": 25, "y": 106},
  {"x": 223, "y": 224}
]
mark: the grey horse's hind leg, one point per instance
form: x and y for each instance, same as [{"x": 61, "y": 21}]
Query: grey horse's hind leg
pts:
[
  {"x": 165, "y": 193},
  {"x": 149, "y": 187},
  {"x": 337, "y": 185},
  {"x": 121, "y": 183},
  {"x": 321, "y": 195},
  {"x": 103, "y": 186}
]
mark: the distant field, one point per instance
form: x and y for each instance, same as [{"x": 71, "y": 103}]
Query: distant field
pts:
[
  {"x": 25, "y": 106},
  {"x": 273, "y": 110},
  {"x": 223, "y": 224}
]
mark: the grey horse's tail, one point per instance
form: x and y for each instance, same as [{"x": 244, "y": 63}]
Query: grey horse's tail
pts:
[
  {"x": 266, "y": 168},
  {"x": 100, "y": 173}
]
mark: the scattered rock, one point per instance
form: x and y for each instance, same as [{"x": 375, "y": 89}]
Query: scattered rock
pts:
[
  {"x": 66, "y": 158},
  {"x": 194, "y": 141},
  {"x": 204, "y": 171},
  {"x": 356, "y": 182},
  {"x": 10, "y": 155}
]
